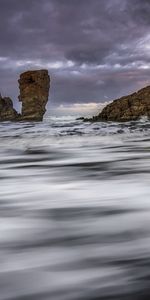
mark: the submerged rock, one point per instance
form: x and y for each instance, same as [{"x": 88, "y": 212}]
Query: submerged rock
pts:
[
  {"x": 126, "y": 108},
  {"x": 34, "y": 91},
  {"x": 7, "y": 112}
]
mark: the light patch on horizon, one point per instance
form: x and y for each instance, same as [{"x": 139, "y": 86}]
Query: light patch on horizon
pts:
[{"x": 79, "y": 109}]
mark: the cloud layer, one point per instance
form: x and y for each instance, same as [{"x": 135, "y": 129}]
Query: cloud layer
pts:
[{"x": 95, "y": 50}]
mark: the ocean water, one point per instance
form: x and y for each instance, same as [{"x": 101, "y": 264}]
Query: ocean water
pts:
[{"x": 74, "y": 210}]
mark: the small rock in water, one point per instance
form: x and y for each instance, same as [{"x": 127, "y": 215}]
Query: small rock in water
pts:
[{"x": 7, "y": 112}]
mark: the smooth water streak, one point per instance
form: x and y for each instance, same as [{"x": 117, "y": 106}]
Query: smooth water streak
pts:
[{"x": 74, "y": 210}]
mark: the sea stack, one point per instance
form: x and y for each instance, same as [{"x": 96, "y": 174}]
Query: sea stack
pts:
[
  {"x": 34, "y": 91},
  {"x": 127, "y": 108},
  {"x": 7, "y": 112}
]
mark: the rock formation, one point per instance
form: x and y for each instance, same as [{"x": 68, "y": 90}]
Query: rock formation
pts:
[
  {"x": 7, "y": 112},
  {"x": 34, "y": 90},
  {"x": 127, "y": 108}
]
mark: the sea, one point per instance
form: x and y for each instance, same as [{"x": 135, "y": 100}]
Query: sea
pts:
[{"x": 75, "y": 210}]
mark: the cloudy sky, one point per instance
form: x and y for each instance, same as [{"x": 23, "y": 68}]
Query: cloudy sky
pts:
[{"x": 95, "y": 50}]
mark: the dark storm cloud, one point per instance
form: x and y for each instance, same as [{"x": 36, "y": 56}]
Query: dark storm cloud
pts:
[{"x": 94, "y": 49}]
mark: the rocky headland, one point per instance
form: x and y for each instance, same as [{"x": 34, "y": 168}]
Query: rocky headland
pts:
[
  {"x": 127, "y": 108},
  {"x": 34, "y": 91}
]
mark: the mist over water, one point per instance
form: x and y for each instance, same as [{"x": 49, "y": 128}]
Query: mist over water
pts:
[{"x": 74, "y": 210}]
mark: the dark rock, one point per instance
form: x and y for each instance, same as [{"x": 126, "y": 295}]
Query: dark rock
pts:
[
  {"x": 34, "y": 90},
  {"x": 127, "y": 108},
  {"x": 7, "y": 112},
  {"x": 80, "y": 118}
]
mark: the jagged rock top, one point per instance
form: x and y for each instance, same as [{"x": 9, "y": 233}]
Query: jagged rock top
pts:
[{"x": 37, "y": 76}]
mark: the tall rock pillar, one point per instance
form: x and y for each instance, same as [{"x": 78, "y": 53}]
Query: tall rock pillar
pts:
[{"x": 34, "y": 91}]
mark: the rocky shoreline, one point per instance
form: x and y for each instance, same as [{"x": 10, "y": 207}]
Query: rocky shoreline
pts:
[{"x": 34, "y": 91}]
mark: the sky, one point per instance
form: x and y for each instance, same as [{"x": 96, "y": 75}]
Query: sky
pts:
[{"x": 95, "y": 50}]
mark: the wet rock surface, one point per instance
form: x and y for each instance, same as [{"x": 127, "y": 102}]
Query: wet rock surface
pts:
[
  {"x": 34, "y": 90},
  {"x": 7, "y": 112},
  {"x": 126, "y": 108}
]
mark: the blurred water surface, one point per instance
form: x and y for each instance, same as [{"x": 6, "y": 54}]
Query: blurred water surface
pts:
[{"x": 74, "y": 210}]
